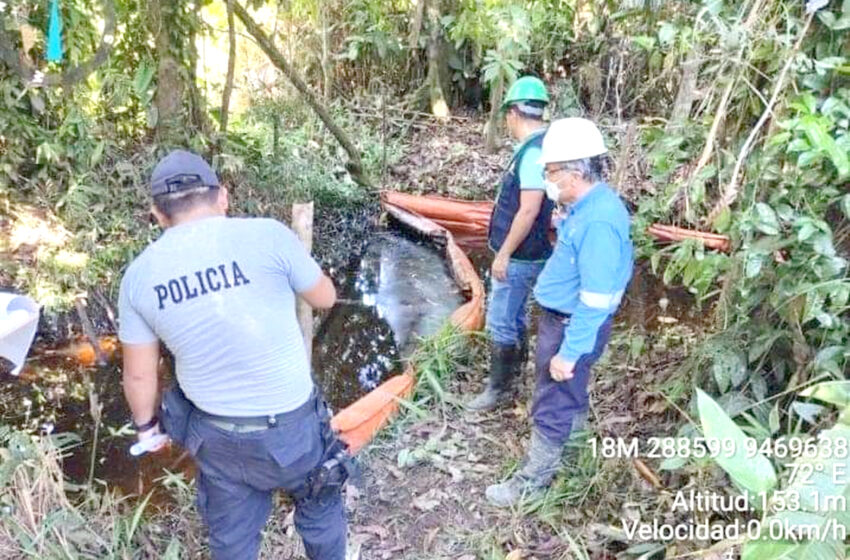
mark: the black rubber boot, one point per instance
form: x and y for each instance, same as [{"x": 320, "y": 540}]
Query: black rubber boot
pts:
[
  {"x": 505, "y": 364},
  {"x": 523, "y": 350}
]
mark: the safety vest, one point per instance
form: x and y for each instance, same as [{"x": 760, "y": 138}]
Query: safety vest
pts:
[{"x": 536, "y": 245}]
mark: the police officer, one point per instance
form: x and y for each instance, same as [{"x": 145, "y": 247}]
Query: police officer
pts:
[
  {"x": 518, "y": 236},
  {"x": 220, "y": 294},
  {"x": 578, "y": 291}
]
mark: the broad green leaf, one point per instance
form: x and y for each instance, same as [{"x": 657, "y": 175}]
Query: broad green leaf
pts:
[
  {"x": 753, "y": 264},
  {"x": 833, "y": 392},
  {"x": 829, "y": 359},
  {"x": 644, "y": 42},
  {"x": 773, "y": 419},
  {"x": 673, "y": 463},
  {"x": 827, "y": 18},
  {"x": 729, "y": 368},
  {"x": 823, "y": 486},
  {"x": 835, "y": 108},
  {"x": 762, "y": 345},
  {"x": 779, "y": 139},
  {"x": 173, "y": 552},
  {"x": 821, "y": 140},
  {"x": 723, "y": 221},
  {"x": 785, "y": 212},
  {"x": 667, "y": 34},
  {"x": 768, "y": 549},
  {"x": 758, "y": 386},
  {"x": 808, "y": 411},
  {"x": 822, "y": 245},
  {"x": 142, "y": 79},
  {"x": 97, "y": 154},
  {"x": 766, "y": 220},
  {"x": 713, "y": 6},
  {"x": 799, "y": 145},
  {"x": 756, "y": 473},
  {"x": 806, "y": 231},
  {"x": 771, "y": 548},
  {"x": 807, "y": 159}
]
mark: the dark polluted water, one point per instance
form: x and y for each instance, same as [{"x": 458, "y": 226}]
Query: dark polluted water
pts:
[{"x": 396, "y": 290}]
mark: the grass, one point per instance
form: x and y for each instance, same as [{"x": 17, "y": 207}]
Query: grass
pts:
[{"x": 40, "y": 519}]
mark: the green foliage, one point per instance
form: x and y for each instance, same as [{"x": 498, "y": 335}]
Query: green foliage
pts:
[
  {"x": 781, "y": 296},
  {"x": 751, "y": 472},
  {"x": 40, "y": 521},
  {"x": 437, "y": 358},
  {"x": 820, "y": 490}
]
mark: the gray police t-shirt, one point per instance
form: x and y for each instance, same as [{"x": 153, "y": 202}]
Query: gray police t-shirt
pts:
[{"x": 220, "y": 293}]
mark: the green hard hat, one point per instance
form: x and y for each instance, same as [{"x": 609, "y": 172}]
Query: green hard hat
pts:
[{"x": 527, "y": 88}]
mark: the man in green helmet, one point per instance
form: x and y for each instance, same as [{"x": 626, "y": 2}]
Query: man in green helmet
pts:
[{"x": 519, "y": 228}]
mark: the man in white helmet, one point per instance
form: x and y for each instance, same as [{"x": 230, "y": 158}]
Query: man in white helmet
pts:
[{"x": 578, "y": 291}]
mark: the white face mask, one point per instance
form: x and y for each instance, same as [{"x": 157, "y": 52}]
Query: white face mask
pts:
[{"x": 553, "y": 191}]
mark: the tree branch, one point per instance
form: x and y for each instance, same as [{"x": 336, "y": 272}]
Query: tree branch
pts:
[
  {"x": 730, "y": 193},
  {"x": 231, "y": 65},
  {"x": 354, "y": 165}
]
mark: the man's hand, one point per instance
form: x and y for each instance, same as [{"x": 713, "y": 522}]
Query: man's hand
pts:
[
  {"x": 499, "y": 269},
  {"x": 560, "y": 369}
]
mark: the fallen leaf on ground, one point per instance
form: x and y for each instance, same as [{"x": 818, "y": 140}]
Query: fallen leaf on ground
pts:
[
  {"x": 426, "y": 502},
  {"x": 376, "y": 530}
]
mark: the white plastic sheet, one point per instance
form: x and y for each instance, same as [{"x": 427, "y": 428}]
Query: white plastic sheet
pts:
[{"x": 18, "y": 322}]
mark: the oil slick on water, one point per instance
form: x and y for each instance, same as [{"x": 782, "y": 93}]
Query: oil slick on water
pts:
[{"x": 400, "y": 290}]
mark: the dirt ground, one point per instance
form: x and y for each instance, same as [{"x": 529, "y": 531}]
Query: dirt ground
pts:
[
  {"x": 449, "y": 159},
  {"x": 423, "y": 487}
]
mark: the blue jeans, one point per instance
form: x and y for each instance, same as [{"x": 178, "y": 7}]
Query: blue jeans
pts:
[
  {"x": 558, "y": 403},
  {"x": 238, "y": 473},
  {"x": 507, "y": 320}
]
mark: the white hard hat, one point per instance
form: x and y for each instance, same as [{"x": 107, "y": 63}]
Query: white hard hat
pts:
[{"x": 571, "y": 139}]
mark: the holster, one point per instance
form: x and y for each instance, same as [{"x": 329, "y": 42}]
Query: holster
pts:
[
  {"x": 175, "y": 411},
  {"x": 337, "y": 464}
]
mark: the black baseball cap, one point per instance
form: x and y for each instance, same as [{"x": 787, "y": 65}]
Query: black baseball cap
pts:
[{"x": 182, "y": 171}]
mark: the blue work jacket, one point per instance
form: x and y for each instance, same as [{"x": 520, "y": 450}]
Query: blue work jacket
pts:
[{"x": 589, "y": 269}]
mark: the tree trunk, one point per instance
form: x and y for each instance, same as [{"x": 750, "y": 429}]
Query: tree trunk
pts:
[
  {"x": 354, "y": 165},
  {"x": 327, "y": 65},
  {"x": 491, "y": 130},
  {"x": 436, "y": 62},
  {"x": 687, "y": 90},
  {"x": 416, "y": 26},
  {"x": 170, "y": 82},
  {"x": 197, "y": 102},
  {"x": 231, "y": 65}
]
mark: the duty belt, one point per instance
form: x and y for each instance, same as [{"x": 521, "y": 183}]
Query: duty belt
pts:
[{"x": 257, "y": 423}]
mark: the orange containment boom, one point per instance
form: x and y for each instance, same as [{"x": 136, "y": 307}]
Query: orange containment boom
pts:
[
  {"x": 467, "y": 220},
  {"x": 672, "y": 233},
  {"x": 358, "y": 423}
]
